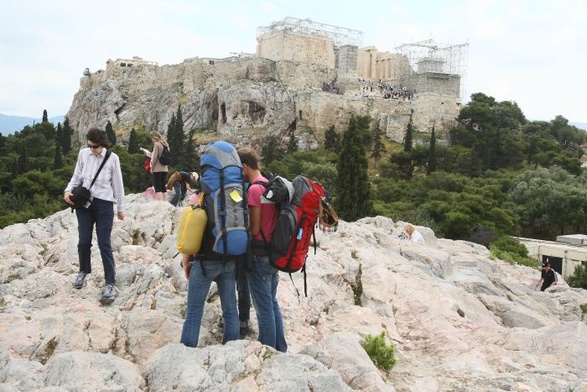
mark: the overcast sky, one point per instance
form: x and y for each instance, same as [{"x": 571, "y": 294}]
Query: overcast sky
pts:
[{"x": 533, "y": 52}]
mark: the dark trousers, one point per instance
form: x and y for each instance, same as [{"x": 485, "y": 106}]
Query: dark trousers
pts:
[
  {"x": 100, "y": 213},
  {"x": 243, "y": 291}
]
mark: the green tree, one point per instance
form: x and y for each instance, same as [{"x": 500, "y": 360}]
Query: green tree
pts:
[
  {"x": 493, "y": 130},
  {"x": 431, "y": 167},
  {"x": 23, "y": 160},
  {"x": 292, "y": 145},
  {"x": 58, "y": 160},
  {"x": 110, "y": 133},
  {"x": 403, "y": 161},
  {"x": 549, "y": 201},
  {"x": 331, "y": 140},
  {"x": 176, "y": 139},
  {"x": 45, "y": 117},
  {"x": 190, "y": 155},
  {"x": 409, "y": 134},
  {"x": 133, "y": 142},
  {"x": 378, "y": 148},
  {"x": 271, "y": 150},
  {"x": 66, "y": 137},
  {"x": 353, "y": 199},
  {"x": 579, "y": 277}
]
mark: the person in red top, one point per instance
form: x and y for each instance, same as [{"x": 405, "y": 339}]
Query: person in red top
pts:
[{"x": 263, "y": 278}]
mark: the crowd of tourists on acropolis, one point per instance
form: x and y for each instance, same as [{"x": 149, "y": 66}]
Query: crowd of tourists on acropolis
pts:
[{"x": 387, "y": 91}]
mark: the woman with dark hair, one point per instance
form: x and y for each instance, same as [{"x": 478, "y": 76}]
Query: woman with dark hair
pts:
[{"x": 107, "y": 190}]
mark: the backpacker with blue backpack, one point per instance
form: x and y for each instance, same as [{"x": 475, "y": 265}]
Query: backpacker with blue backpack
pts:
[{"x": 221, "y": 181}]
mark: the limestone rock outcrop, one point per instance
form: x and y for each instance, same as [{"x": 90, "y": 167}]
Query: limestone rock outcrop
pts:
[
  {"x": 460, "y": 320},
  {"x": 243, "y": 100}
]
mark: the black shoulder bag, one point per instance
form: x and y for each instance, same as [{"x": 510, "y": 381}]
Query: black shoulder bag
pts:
[{"x": 80, "y": 194}]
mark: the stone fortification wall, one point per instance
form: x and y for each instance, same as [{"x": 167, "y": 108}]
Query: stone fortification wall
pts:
[
  {"x": 320, "y": 111},
  {"x": 435, "y": 83},
  {"x": 292, "y": 46},
  {"x": 346, "y": 59}
]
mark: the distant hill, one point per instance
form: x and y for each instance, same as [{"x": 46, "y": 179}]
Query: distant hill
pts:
[{"x": 11, "y": 124}]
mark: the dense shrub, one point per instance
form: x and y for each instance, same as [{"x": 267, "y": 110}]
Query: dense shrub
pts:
[{"x": 381, "y": 353}]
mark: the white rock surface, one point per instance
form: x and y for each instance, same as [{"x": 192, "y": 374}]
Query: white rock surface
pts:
[{"x": 460, "y": 320}]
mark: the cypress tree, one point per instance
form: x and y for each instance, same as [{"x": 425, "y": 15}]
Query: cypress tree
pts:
[
  {"x": 58, "y": 159},
  {"x": 110, "y": 133},
  {"x": 353, "y": 200},
  {"x": 67, "y": 134},
  {"x": 409, "y": 134},
  {"x": 271, "y": 151},
  {"x": 59, "y": 131},
  {"x": 179, "y": 121},
  {"x": 292, "y": 146},
  {"x": 133, "y": 142},
  {"x": 190, "y": 157},
  {"x": 176, "y": 139},
  {"x": 45, "y": 117},
  {"x": 432, "y": 154},
  {"x": 171, "y": 128},
  {"x": 331, "y": 140},
  {"x": 378, "y": 146}
]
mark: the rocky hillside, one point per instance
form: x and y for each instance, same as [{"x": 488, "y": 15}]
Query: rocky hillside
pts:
[
  {"x": 243, "y": 100},
  {"x": 460, "y": 320}
]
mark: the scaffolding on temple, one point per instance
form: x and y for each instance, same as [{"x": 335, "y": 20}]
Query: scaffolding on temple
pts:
[
  {"x": 428, "y": 62},
  {"x": 340, "y": 36}
]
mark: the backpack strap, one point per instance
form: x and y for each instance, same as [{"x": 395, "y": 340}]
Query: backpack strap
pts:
[
  {"x": 108, "y": 152},
  {"x": 223, "y": 216}
]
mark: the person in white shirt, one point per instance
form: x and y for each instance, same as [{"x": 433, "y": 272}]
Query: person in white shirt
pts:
[
  {"x": 107, "y": 190},
  {"x": 413, "y": 234}
]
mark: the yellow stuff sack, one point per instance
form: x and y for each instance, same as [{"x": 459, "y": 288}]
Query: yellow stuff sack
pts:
[{"x": 192, "y": 223}]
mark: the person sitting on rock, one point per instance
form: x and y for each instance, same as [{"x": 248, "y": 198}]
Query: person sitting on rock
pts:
[{"x": 413, "y": 234}]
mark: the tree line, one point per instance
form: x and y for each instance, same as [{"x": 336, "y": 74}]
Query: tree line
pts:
[
  {"x": 496, "y": 174},
  {"x": 37, "y": 162}
]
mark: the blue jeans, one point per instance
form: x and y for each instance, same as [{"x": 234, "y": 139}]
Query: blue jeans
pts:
[
  {"x": 223, "y": 273},
  {"x": 179, "y": 193},
  {"x": 100, "y": 213},
  {"x": 263, "y": 281}
]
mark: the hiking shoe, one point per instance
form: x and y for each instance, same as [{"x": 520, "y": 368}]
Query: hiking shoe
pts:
[
  {"x": 108, "y": 295},
  {"x": 80, "y": 280}
]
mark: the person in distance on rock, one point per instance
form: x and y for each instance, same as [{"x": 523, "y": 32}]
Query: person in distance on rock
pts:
[
  {"x": 181, "y": 182},
  {"x": 158, "y": 169},
  {"x": 547, "y": 276},
  {"x": 413, "y": 234},
  {"x": 107, "y": 189}
]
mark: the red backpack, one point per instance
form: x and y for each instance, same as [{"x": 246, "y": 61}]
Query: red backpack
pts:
[{"x": 288, "y": 249}]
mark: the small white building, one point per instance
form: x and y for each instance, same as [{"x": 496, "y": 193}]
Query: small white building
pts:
[{"x": 564, "y": 254}]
